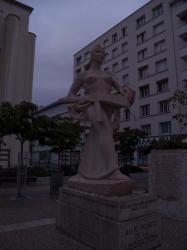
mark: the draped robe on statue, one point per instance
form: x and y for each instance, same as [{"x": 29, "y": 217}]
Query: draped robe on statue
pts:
[{"x": 99, "y": 159}]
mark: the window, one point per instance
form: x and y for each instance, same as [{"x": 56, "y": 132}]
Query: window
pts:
[
  {"x": 106, "y": 69},
  {"x": 106, "y": 56},
  {"x": 125, "y": 63},
  {"x": 115, "y": 67},
  {"x": 158, "y": 28},
  {"x": 164, "y": 106},
  {"x": 140, "y": 21},
  {"x": 78, "y": 71},
  {"x": 162, "y": 85},
  {"x": 124, "y": 47},
  {"x": 146, "y": 128},
  {"x": 184, "y": 19},
  {"x": 157, "y": 11},
  {"x": 141, "y": 38},
  {"x": 145, "y": 110},
  {"x": 79, "y": 60},
  {"x": 126, "y": 115},
  {"x": 125, "y": 78},
  {"x": 165, "y": 127},
  {"x": 86, "y": 67},
  {"x": 87, "y": 55},
  {"x": 144, "y": 91},
  {"x": 161, "y": 65},
  {"x": 124, "y": 31},
  {"x": 114, "y": 52},
  {"x": 159, "y": 46},
  {"x": 142, "y": 54},
  {"x": 114, "y": 38},
  {"x": 143, "y": 72},
  {"x": 105, "y": 43}
]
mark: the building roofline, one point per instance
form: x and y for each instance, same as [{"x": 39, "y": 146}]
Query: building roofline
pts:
[
  {"x": 24, "y": 6},
  {"x": 51, "y": 105},
  {"x": 32, "y": 34},
  {"x": 112, "y": 27}
]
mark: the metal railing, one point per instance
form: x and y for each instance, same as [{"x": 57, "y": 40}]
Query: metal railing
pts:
[{"x": 5, "y": 157}]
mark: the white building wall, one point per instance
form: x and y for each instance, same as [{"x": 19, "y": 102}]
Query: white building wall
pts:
[
  {"x": 17, "y": 49},
  {"x": 17, "y": 53},
  {"x": 175, "y": 65}
]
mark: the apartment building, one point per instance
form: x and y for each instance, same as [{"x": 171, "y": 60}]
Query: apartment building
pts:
[
  {"x": 147, "y": 51},
  {"x": 17, "y": 49}
]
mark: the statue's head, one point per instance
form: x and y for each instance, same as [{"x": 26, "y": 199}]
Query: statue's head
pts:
[{"x": 98, "y": 54}]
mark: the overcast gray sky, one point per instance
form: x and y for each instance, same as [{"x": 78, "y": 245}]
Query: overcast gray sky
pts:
[{"x": 62, "y": 28}]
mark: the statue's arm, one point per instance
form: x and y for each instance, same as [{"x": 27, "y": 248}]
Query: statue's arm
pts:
[
  {"x": 77, "y": 84},
  {"x": 124, "y": 90},
  {"x": 117, "y": 86}
]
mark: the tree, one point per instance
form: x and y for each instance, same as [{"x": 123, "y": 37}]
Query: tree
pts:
[
  {"x": 22, "y": 124},
  {"x": 22, "y": 121},
  {"x": 127, "y": 142},
  {"x": 64, "y": 134},
  {"x": 43, "y": 129},
  {"x": 22, "y": 127},
  {"x": 6, "y": 113},
  {"x": 180, "y": 99},
  {"x": 61, "y": 134}
]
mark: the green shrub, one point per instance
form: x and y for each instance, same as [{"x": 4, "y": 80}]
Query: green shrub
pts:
[
  {"x": 39, "y": 172},
  {"x": 176, "y": 142}
]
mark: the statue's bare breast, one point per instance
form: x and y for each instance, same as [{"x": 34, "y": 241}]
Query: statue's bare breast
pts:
[{"x": 97, "y": 83}]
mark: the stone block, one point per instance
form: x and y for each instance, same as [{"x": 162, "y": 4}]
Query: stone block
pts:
[
  {"x": 111, "y": 223},
  {"x": 168, "y": 181}
]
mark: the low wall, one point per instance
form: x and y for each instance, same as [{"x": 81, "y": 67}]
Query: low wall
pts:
[{"x": 168, "y": 181}]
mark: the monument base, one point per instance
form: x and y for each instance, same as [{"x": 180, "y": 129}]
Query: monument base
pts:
[
  {"x": 107, "y": 187},
  {"x": 112, "y": 223}
]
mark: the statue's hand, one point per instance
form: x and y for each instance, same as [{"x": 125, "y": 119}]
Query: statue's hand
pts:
[
  {"x": 123, "y": 91},
  {"x": 130, "y": 94},
  {"x": 86, "y": 99}
]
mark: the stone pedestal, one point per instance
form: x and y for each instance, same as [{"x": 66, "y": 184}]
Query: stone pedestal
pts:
[
  {"x": 106, "y": 187},
  {"x": 168, "y": 181},
  {"x": 112, "y": 223}
]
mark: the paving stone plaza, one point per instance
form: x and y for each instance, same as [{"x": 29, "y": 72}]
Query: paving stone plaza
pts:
[{"x": 30, "y": 224}]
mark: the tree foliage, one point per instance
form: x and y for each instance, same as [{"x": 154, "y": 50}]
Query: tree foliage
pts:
[
  {"x": 64, "y": 135},
  {"x": 180, "y": 98},
  {"x": 127, "y": 141},
  {"x": 175, "y": 142},
  {"x": 42, "y": 130},
  {"x": 23, "y": 120},
  {"x": 6, "y": 114}
]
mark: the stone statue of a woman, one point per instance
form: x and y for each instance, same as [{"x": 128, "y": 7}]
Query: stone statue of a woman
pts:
[{"x": 98, "y": 170}]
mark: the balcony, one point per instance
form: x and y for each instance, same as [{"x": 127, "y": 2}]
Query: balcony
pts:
[
  {"x": 182, "y": 32},
  {"x": 184, "y": 75},
  {"x": 182, "y": 10},
  {"x": 183, "y": 53}
]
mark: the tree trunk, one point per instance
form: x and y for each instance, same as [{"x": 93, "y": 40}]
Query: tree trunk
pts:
[{"x": 20, "y": 172}]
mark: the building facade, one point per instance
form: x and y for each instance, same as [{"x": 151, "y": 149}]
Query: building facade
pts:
[
  {"x": 147, "y": 51},
  {"x": 17, "y": 49}
]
